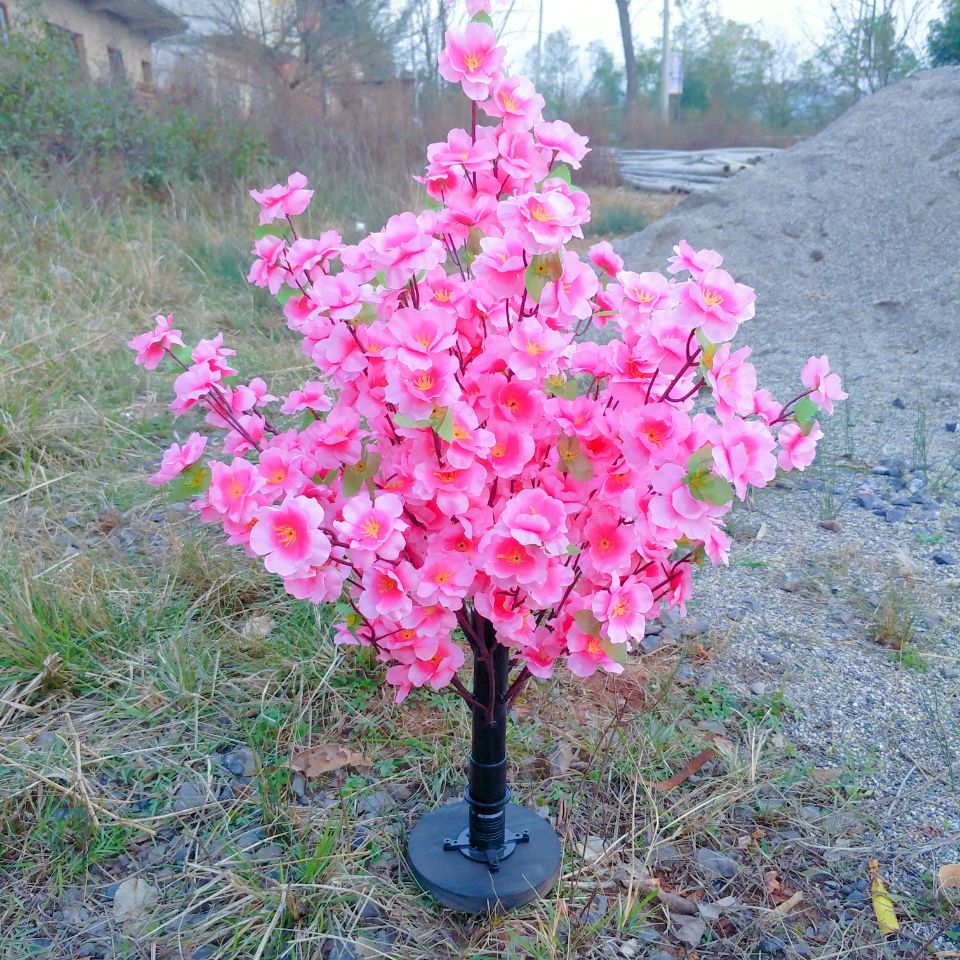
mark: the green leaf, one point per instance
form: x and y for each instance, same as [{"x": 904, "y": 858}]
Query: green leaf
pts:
[
  {"x": 182, "y": 353},
  {"x": 572, "y": 550},
  {"x": 285, "y": 293},
  {"x": 352, "y": 481},
  {"x": 445, "y": 430},
  {"x": 401, "y": 421},
  {"x": 542, "y": 269},
  {"x": 709, "y": 488},
  {"x": 587, "y": 622},
  {"x": 274, "y": 229},
  {"x": 582, "y": 469},
  {"x": 617, "y": 652},
  {"x": 805, "y": 412},
  {"x": 700, "y": 462},
  {"x": 482, "y": 17},
  {"x": 191, "y": 483}
]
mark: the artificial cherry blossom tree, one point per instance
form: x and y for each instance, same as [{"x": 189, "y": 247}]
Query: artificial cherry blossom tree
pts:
[{"x": 468, "y": 472}]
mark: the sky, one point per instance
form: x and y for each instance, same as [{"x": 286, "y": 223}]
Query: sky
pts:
[{"x": 797, "y": 22}]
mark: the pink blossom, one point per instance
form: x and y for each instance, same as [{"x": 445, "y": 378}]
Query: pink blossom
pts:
[
  {"x": 438, "y": 671},
  {"x": 608, "y": 543},
  {"x": 461, "y": 150},
  {"x": 500, "y": 264},
  {"x": 717, "y": 304},
  {"x": 289, "y": 538},
  {"x": 544, "y": 221},
  {"x": 373, "y": 525},
  {"x": 313, "y": 396},
  {"x": 765, "y": 407},
  {"x": 445, "y": 579},
  {"x": 192, "y": 386},
  {"x": 233, "y": 489},
  {"x": 177, "y": 458},
  {"x": 535, "y": 519},
  {"x": 568, "y": 298},
  {"x": 695, "y": 262},
  {"x": 402, "y": 248},
  {"x": 510, "y": 563},
  {"x": 268, "y": 269},
  {"x": 416, "y": 392},
  {"x": 642, "y": 294},
  {"x": 826, "y": 386},
  {"x": 281, "y": 471},
  {"x": 654, "y": 433},
  {"x": 623, "y": 609},
  {"x": 521, "y": 158},
  {"x": 386, "y": 590},
  {"x": 516, "y": 102},
  {"x": 512, "y": 449},
  {"x": 585, "y": 655},
  {"x": 214, "y": 354},
  {"x": 535, "y": 349},
  {"x": 604, "y": 257},
  {"x": 420, "y": 335},
  {"x": 568, "y": 146},
  {"x": 733, "y": 380},
  {"x": 472, "y": 59},
  {"x": 744, "y": 454},
  {"x": 152, "y": 346},
  {"x": 305, "y": 254},
  {"x": 283, "y": 201},
  {"x": 797, "y": 449}
]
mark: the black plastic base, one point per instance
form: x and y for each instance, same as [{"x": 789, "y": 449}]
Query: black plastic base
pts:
[{"x": 469, "y": 886}]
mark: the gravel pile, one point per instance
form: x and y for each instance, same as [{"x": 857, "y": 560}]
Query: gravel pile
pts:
[{"x": 850, "y": 239}]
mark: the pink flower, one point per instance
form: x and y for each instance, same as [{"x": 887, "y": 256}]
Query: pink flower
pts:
[
  {"x": 152, "y": 346},
  {"x": 623, "y": 609},
  {"x": 289, "y": 538},
  {"x": 338, "y": 296},
  {"x": 510, "y": 563},
  {"x": 386, "y": 590},
  {"x": 438, "y": 671},
  {"x": 604, "y": 257},
  {"x": 268, "y": 270},
  {"x": 797, "y": 449},
  {"x": 535, "y": 349},
  {"x": 516, "y": 102},
  {"x": 403, "y": 248},
  {"x": 733, "y": 381},
  {"x": 535, "y": 519},
  {"x": 544, "y": 221},
  {"x": 521, "y": 159},
  {"x": 540, "y": 654},
  {"x": 305, "y": 254},
  {"x": 421, "y": 334},
  {"x": 281, "y": 471},
  {"x": 642, "y": 294},
  {"x": 717, "y": 304},
  {"x": 826, "y": 386},
  {"x": 283, "y": 201},
  {"x": 214, "y": 354},
  {"x": 233, "y": 490},
  {"x": 608, "y": 543},
  {"x": 445, "y": 579},
  {"x": 192, "y": 386},
  {"x": 473, "y": 59},
  {"x": 653, "y": 433},
  {"x": 416, "y": 392},
  {"x": 512, "y": 449},
  {"x": 373, "y": 526},
  {"x": 765, "y": 407},
  {"x": 695, "y": 262},
  {"x": 500, "y": 265},
  {"x": 313, "y": 396},
  {"x": 177, "y": 458},
  {"x": 568, "y": 298},
  {"x": 568, "y": 146},
  {"x": 744, "y": 454},
  {"x": 585, "y": 655}
]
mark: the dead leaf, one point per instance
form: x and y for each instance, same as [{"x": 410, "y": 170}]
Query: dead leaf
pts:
[
  {"x": 949, "y": 878},
  {"x": 685, "y": 773},
  {"x": 561, "y": 756},
  {"x": 133, "y": 899},
  {"x": 771, "y": 882},
  {"x": 826, "y": 774},
  {"x": 672, "y": 901},
  {"x": 784, "y": 908},
  {"x": 882, "y": 904},
  {"x": 714, "y": 910},
  {"x": 325, "y": 757},
  {"x": 691, "y": 932},
  {"x": 761, "y": 531}
]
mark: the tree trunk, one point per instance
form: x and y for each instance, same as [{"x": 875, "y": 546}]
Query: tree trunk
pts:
[{"x": 629, "y": 59}]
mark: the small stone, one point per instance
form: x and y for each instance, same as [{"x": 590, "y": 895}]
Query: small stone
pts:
[
  {"x": 951, "y": 427},
  {"x": 662, "y": 955},
  {"x": 344, "y": 951},
  {"x": 832, "y": 525},
  {"x": 560, "y": 758},
  {"x": 758, "y": 689},
  {"x": 370, "y": 911},
  {"x": 597, "y": 911},
  {"x": 772, "y": 945},
  {"x": 901, "y": 501},
  {"x": 241, "y": 762},
  {"x": 206, "y": 952},
  {"x": 48, "y": 740},
  {"x": 953, "y": 525},
  {"x": 895, "y": 514},
  {"x": 716, "y": 863},
  {"x": 649, "y": 644},
  {"x": 791, "y": 582},
  {"x": 188, "y": 797},
  {"x": 944, "y": 559},
  {"x": 950, "y": 673},
  {"x": 375, "y": 802},
  {"x": 695, "y": 628},
  {"x": 861, "y": 885},
  {"x": 298, "y": 784},
  {"x": 870, "y": 501},
  {"x": 593, "y": 850},
  {"x": 899, "y": 404},
  {"x": 94, "y": 950},
  {"x": 652, "y": 627},
  {"x": 916, "y": 485},
  {"x": 768, "y": 656},
  {"x": 736, "y": 615}
]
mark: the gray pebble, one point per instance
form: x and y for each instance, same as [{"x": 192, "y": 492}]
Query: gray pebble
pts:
[
  {"x": 344, "y": 951},
  {"x": 895, "y": 514},
  {"x": 944, "y": 559},
  {"x": 771, "y": 945},
  {"x": 870, "y": 501},
  {"x": 758, "y": 689},
  {"x": 649, "y": 644},
  {"x": 791, "y": 582},
  {"x": 716, "y": 863},
  {"x": 768, "y": 656},
  {"x": 695, "y": 628},
  {"x": 188, "y": 797},
  {"x": 899, "y": 404},
  {"x": 241, "y": 762}
]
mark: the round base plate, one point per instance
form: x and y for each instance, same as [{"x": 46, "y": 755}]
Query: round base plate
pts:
[{"x": 462, "y": 884}]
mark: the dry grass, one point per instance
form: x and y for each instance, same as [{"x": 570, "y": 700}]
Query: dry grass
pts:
[{"x": 136, "y": 652}]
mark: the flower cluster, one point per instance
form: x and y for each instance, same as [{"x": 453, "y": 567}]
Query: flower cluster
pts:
[{"x": 465, "y": 452}]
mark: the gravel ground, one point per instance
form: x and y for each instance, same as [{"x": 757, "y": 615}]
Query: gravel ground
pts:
[{"x": 849, "y": 239}]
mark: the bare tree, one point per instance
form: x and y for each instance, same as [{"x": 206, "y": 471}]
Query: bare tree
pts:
[{"x": 629, "y": 58}]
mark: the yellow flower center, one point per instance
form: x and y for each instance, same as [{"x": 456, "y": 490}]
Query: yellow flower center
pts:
[
  {"x": 534, "y": 348},
  {"x": 621, "y": 608},
  {"x": 441, "y": 295},
  {"x": 713, "y": 298},
  {"x": 460, "y": 432},
  {"x": 442, "y": 576},
  {"x": 472, "y": 62},
  {"x": 424, "y": 382},
  {"x": 594, "y": 647},
  {"x": 424, "y": 340},
  {"x": 371, "y": 527},
  {"x": 445, "y": 476},
  {"x": 235, "y": 491},
  {"x": 541, "y": 214},
  {"x": 509, "y": 103},
  {"x": 513, "y": 557},
  {"x": 285, "y": 534},
  {"x": 499, "y": 450}
]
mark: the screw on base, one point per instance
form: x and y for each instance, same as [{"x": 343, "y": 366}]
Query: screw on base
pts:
[{"x": 491, "y": 857}]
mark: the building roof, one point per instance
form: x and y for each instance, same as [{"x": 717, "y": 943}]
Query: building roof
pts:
[{"x": 144, "y": 16}]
